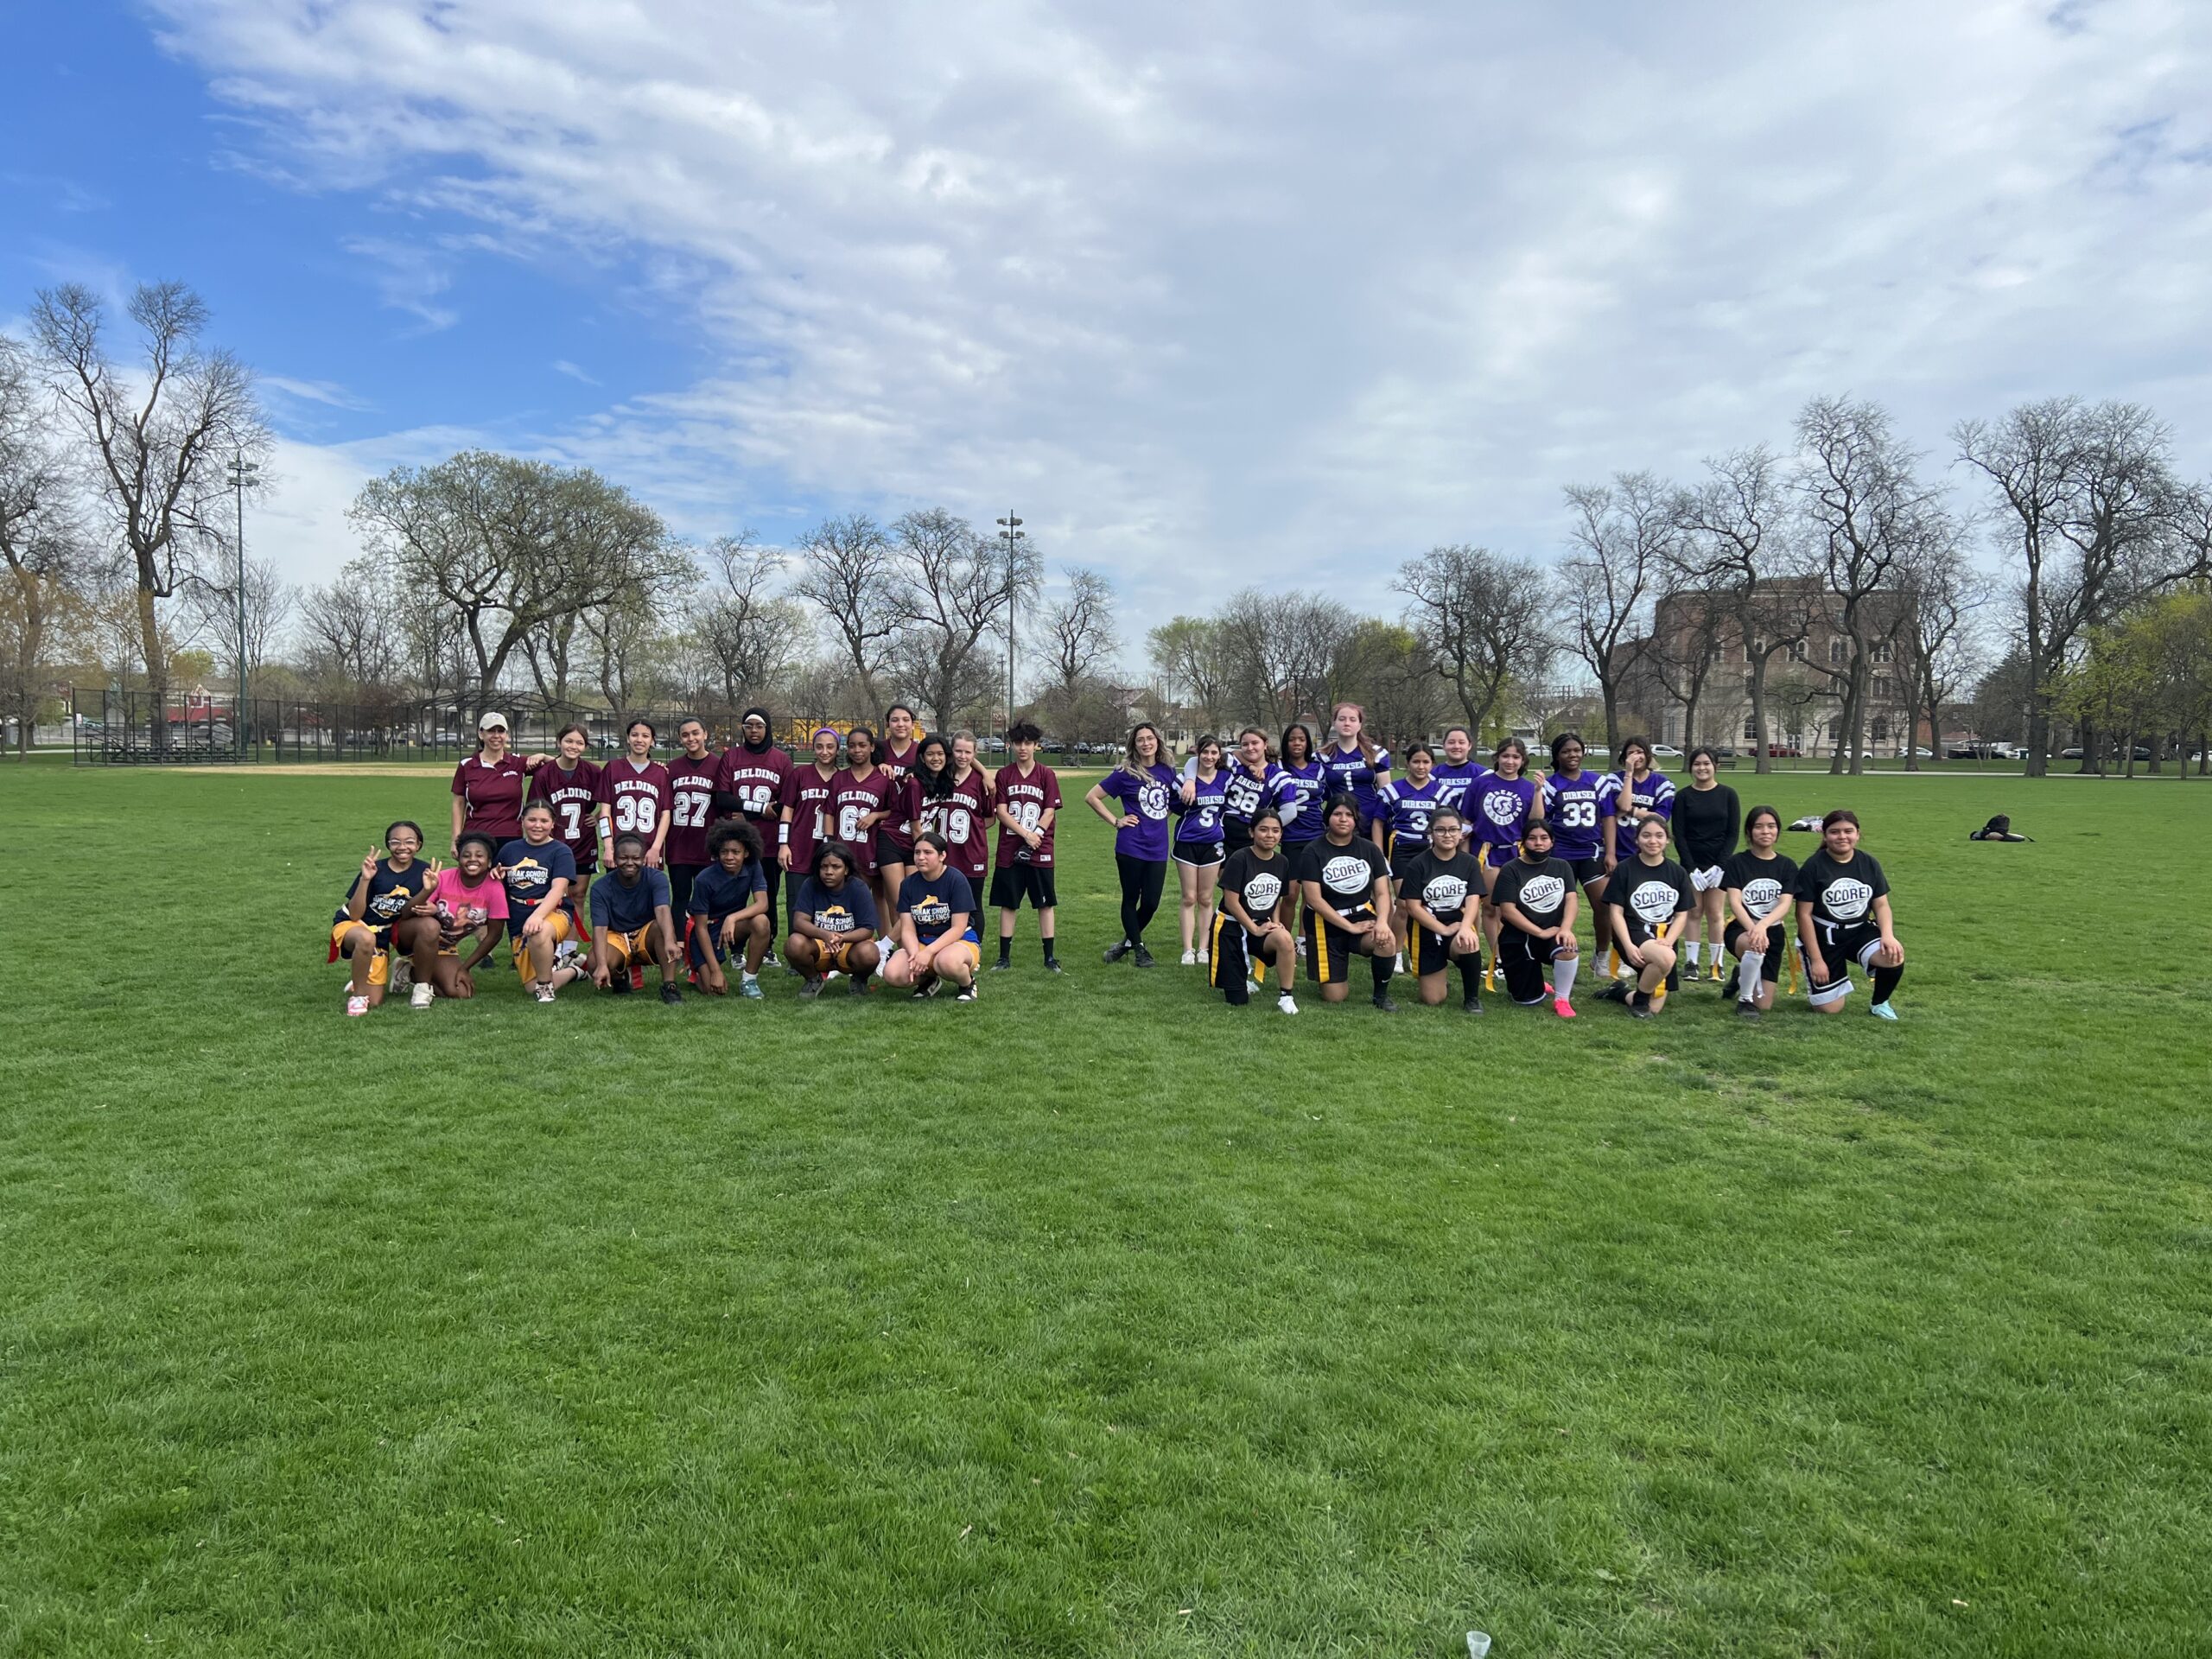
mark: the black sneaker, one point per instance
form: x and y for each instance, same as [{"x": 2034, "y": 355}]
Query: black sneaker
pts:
[
  {"x": 1143, "y": 957},
  {"x": 1115, "y": 952},
  {"x": 923, "y": 992},
  {"x": 1728, "y": 985},
  {"x": 1639, "y": 1006},
  {"x": 1749, "y": 1010},
  {"x": 810, "y": 988},
  {"x": 1472, "y": 1005},
  {"x": 967, "y": 994},
  {"x": 1384, "y": 1005},
  {"x": 669, "y": 992},
  {"x": 1617, "y": 991},
  {"x": 1001, "y": 965},
  {"x": 1052, "y": 965},
  {"x": 619, "y": 982}
]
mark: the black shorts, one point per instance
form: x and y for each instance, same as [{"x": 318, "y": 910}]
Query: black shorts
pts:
[
  {"x": 1236, "y": 834},
  {"x": 1841, "y": 944},
  {"x": 1200, "y": 854},
  {"x": 1013, "y": 882},
  {"x": 1771, "y": 965},
  {"x": 1525, "y": 957},
  {"x": 1402, "y": 860},
  {"x": 680, "y": 877},
  {"x": 888, "y": 850},
  {"x": 793, "y": 880},
  {"x": 1430, "y": 953},
  {"x": 1233, "y": 958},
  {"x": 1588, "y": 872},
  {"x": 1329, "y": 950}
]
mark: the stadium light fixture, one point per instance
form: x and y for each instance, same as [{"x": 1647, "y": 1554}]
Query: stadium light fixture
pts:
[
  {"x": 242, "y": 473},
  {"x": 1009, "y": 532}
]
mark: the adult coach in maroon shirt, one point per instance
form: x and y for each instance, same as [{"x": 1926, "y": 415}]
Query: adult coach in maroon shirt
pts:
[{"x": 488, "y": 787}]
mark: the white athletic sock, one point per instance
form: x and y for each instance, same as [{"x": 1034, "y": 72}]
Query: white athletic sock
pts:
[
  {"x": 1563, "y": 974},
  {"x": 1694, "y": 950},
  {"x": 1749, "y": 969}
]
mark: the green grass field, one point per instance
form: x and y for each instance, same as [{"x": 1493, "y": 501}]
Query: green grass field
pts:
[{"x": 1097, "y": 1319}]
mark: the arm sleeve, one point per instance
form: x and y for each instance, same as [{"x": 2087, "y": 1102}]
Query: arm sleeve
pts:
[
  {"x": 460, "y": 778},
  {"x": 1735, "y": 816}
]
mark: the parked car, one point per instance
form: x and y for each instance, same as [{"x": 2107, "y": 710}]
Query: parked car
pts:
[
  {"x": 1784, "y": 750},
  {"x": 1665, "y": 751},
  {"x": 2069, "y": 754}
]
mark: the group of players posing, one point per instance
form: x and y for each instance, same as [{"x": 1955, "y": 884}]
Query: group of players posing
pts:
[
  {"x": 1424, "y": 870},
  {"x": 877, "y": 854}
]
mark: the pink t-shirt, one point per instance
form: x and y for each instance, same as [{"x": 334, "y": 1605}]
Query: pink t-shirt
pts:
[{"x": 462, "y": 907}]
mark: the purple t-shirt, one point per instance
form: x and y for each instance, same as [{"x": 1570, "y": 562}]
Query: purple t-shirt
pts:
[
  {"x": 1458, "y": 777},
  {"x": 1146, "y": 794},
  {"x": 1496, "y": 808}
]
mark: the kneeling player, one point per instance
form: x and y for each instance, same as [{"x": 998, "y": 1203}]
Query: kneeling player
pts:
[
  {"x": 630, "y": 922},
  {"x": 373, "y": 918},
  {"x": 936, "y": 936},
  {"x": 470, "y": 908},
  {"x": 1247, "y": 934},
  {"x": 834, "y": 923},
  {"x": 1441, "y": 889},
  {"x": 1535, "y": 896},
  {"x": 728, "y": 909},
  {"x": 1843, "y": 917},
  {"x": 1346, "y": 886},
  {"x": 1757, "y": 884},
  {"x": 1649, "y": 900},
  {"x": 540, "y": 874}
]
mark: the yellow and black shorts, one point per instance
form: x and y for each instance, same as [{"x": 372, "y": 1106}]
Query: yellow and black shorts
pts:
[
  {"x": 558, "y": 924},
  {"x": 1431, "y": 953},
  {"x": 1329, "y": 949},
  {"x": 1233, "y": 957},
  {"x": 838, "y": 958},
  {"x": 628, "y": 950},
  {"x": 380, "y": 964}
]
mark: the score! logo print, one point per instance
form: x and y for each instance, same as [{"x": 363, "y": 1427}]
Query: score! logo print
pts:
[
  {"x": 1543, "y": 895},
  {"x": 1346, "y": 875},
  {"x": 1261, "y": 891},
  {"x": 1445, "y": 892},
  {"x": 1762, "y": 896},
  {"x": 1846, "y": 900},
  {"x": 1654, "y": 901}
]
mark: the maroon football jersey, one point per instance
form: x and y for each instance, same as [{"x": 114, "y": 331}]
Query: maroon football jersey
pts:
[
  {"x": 851, "y": 799},
  {"x": 573, "y": 797},
  {"x": 806, "y": 794},
  {"x": 636, "y": 799},
  {"x": 757, "y": 781},
  {"x": 491, "y": 797},
  {"x": 898, "y": 768},
  {"x": 963, "y": 818},
  {"x": 691, "y": 806},
  {"x": 1027, "y": 799}
]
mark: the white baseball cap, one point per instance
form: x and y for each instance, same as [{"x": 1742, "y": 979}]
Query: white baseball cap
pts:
[{"x": 491, "y": 721}]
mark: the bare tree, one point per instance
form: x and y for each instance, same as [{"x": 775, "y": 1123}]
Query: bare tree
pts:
[
  {"x": 1279, "y": 653},
  {"x": 749, "y": 636},
  {"x": 40, "y": 540},
  {"x": 1938, "y": 629},
  {"x": 1484, "y": 621},
  {"x": 157, "y": 439},
  {"x": 271, "y": 603},
  {"x": 1871, "y": 515},
  {"x": 1080, "y": 628},
  {"x": 956, "y": 587},
  {"x": 1187, "y": 656},
  {"x": 351, "y": 627},
  {"x": 1620, "y": 538},
  {"x": 512, "y": 547},
  {"x": 845, "y": 569}
]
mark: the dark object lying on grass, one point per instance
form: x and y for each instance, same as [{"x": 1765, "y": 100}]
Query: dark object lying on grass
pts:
[
  {"x": 1998, "y": 828},
  {"x": 1810, "y": 822}
]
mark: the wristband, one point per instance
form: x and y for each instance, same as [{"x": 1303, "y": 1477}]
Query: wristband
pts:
[{"x": 782, "y": 835}]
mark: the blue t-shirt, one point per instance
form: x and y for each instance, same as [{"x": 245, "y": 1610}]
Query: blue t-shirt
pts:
[
  {"x": 626, "y": 910},
  {"x": 1496, "y": 808},
  {"x": 933, "y": 904},
  {"x": 1249, "y": 796},
  {"x": 715, "y": 894},
  {"x": 846, "y": 909},
  {"x": 1146, "y": 794},
  {"x": 1200, "y": 824},
  {"x": 531, "y": 871},
  {"x": 390, "y": 892},
  {"x": 1305, "y": 793}
]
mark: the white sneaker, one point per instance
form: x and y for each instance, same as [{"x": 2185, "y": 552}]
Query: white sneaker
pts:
[
  {"x": 402, "y": 974},
  {"x": 356, "y": 1007},
  {"x": 1287, "y": 1003},
  {"x": 1190, "y": 958},
  {"x": 1202, "y": 958},
  {"x": 1399, "y": 967},
  {"x": 424, "y": 992},
  {"x": 543, "y": 992},
  {"x": 1253, "y": 987}
]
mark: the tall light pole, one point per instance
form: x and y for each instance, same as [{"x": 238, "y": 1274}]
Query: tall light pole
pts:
[
  {"x": 242, "y": 473},
  {"x": 1010, "y": 533}
]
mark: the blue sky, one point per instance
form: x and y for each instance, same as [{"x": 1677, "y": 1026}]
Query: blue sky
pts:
[{"x": 1240, "y": 293}]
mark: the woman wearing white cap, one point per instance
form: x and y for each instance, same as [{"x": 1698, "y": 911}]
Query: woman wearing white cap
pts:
[{"x": 488, "y": 787}]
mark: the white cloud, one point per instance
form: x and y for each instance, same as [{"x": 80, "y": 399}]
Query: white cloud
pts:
[
  {"x": 1234, "y": 293},
  {"x": 561, "y": 366}
]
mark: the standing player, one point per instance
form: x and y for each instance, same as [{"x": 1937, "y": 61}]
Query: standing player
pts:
[
  {"x": 728, "y": 910},
  {"x": 1648, "y": 902},
  {"x": 470, "y": 908},
  {"x": 1758, "y": 883},
  {"x": 1535, "y": 897},
  {"x": 804, "y": 820},
  {"x": 860, "y": 801},
  {"x": 1253, "y": 785},
  {"x": 1441, "y": 892},
  {"x": 373, "y": 918},
  {"x": 1306, "y": 790},
  {"x": 1143, "y": 784},
  {"x": 569, "y": 783},
  {"x": 1459, "y": 772},
  {"x": 1347, "y": 888},
  {"x": 1843, "y": 917},
  {"x": 895, "y": 837},
  {"x": 489, "y": 785},
  {"x": 834, "y": 925},
  {"x": 1355, "y": 765},
  {"x": 1247, "y": 935},
  {"x": 539, "y": 873},
  {"x": 692, "y": 778},
  {"x": 634, "y": 797},
  {"x": 1497, "y": 807},
  {"x": 936, "y": 936},
  {"x": 1641, "y": 791},
  {"x": 1197, "y": 846},
  {"x": 750, "y": 784},
  {"x": 1403, "y": 809},
  {"x": 946, "y": 793},
  {"x": 1576, "y": 805},
  {"x": 1028, "y": 805},
  {"x": 630, "y": 922},
  {"x": 1705, "y": 821}
]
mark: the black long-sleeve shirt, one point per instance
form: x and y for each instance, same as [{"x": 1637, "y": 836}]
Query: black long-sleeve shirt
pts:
[{"x": 1706, "y": 823}]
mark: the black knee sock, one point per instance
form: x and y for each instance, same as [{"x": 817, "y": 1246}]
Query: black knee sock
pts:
[
  {"x": 1885, "y": 981},
  {"x": 1046, "y": 939},
  {"x": 1470, "y": 973},
  {"x": 1006, "y": 947},
  {"x": 1381, "y": 967}
]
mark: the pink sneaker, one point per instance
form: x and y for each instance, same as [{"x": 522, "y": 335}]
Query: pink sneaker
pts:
[
  {"x": 356, "y": 1007},
  {"x": 1562, "y": 1008}
]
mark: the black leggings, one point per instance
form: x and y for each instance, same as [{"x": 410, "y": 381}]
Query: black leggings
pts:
[{"x": 1142, "y": 879}]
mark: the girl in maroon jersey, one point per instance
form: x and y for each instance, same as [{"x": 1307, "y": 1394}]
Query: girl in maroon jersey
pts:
[
  {"x": 860, "y": 799},
  {"x": 805, "y": 813},
  {"x": 635, "y": 794},
  {"x": 895, "y": 756},
  {"x": 569, "y": 785}
]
